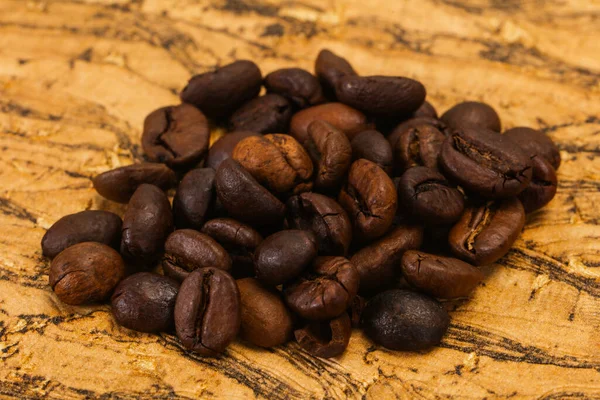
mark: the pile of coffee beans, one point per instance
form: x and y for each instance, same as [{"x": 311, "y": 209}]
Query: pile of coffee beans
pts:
[{"x": 336, "y": 201}]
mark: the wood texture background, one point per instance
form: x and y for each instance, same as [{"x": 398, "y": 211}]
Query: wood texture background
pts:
[{"x": 78, "y": 77}]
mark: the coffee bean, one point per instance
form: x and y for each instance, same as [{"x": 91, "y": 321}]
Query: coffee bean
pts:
[
  {"x": 222, "y": 149},
  {"x": 119, "y": 184},
  {"x": 472, "y": 114},
  {"x": 542, "y": 187},
  {"x": 266, "y": 322},
  {"x": 297, "y": 85},
  {"x": 177, "y": 136},
  {"x": 194, "y": 198},
  {"x": 208, "y": 311},
  {"x": 535, "y": 143},
  {"x": 325, "y": 339},
  {"x": 145, "y": 302},
  {"x": 330, "y": 68},
  {"x": 270, "y": 113},
  {"x": 86, "y": 273},
  {"x": 370, "y": 199},
  {"x": 146, "y": 224},
  {"x": 404, "y": 320},
  {"x": 331, "y": 153},
  {"x": 284, "y": 255},
  {"x": 373, "y": 146},
  {"x": 442, "y": 277},
  {"x": 485, "y": 233},
  {"x": 85, "y": 226},
  {"x": 426, "y": 110},
  {"x": 486, "y": 163},
  {"x": 347, "y": 119},
  {"x": 325, "y": 291},
  {"x": 418, "y": 146},
  {"x": 220, "y": 92},
  {"x": 357, "y": 305},
  {"x": 187, "y": 250},
  {"x": 414, "y": 123}
]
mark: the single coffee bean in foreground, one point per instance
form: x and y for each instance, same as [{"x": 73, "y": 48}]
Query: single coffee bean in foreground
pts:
[
  {"x": 419, "y": 145},
  {"x": 373, "y": 146},
  {"x": 194, "y": 198},
  {"x": 145, "y": 302},
  {"x": 472, "y": 114},
  {"x": 299, "y": 86},
  {"x": 270, "y": 113},
  {"x": 85, "y": 226},
  {"x": 426, "y": 110},
  {"x": 325, "y": 339},
  {"x": 330, "y": 150},
  {"x": 86, "y": 273},
  {"x": 542, "y": 187},
  {"x": 330, "y": 69},
  {"x": 208, "y": 311},
  {"x": 535, "y": 143},
  {"x": 222, "y": 149}
]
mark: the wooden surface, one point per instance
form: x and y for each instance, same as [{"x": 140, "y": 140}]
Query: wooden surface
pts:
[{"x": 78, "y": 77}]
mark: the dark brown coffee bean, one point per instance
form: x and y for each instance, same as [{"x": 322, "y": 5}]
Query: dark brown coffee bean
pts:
[
  {"x": 119, "y": 184},
  {"x": 542, "y": 187},
  {"x": 266, "y": 322},
  {"x": 194, "y": 198},
  {"x": 373, "y": 146},
  {"x": 146, "y": 224},
  {"x": 486, "y": 163},
  {"x": 472, "y": 114},
  {"x": 443, "y": 277},
  {"x": 485, "y": 233},
  {"x": 220, "y": 92},
  {"x": 357, "y": 305},
  {"x": 535, "y": 143},
  {"x": 370, "y": 199},
  {"x": 244, "y": 198},
  {"x": 270, "y": 113},
  {"x": 418, "y": 146},
  {"x": 403, "y": 320},
  {"x": 208, "y": 311},
  {"x": 414, "y": 123},
  {"x": 325, "y": 339},
  {"x": 330, "y": 68},
  {"x": 330, "y": 150},
  {"x": 388, "y": 96},
  {"x": 299, "y": 86},
  {"x": 284, "y": 255},
  {"x": 426, "y": 110},
  {"x": 86, "y": 273},
  {"x": 85, "y": 226},
  {"x": 177, "y": 136},
  {"x": 222, "y": 149},
  {"x": 145, "y": 302}
]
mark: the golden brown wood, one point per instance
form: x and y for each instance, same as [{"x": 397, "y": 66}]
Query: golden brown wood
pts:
[{"x": 77, "y": 78}]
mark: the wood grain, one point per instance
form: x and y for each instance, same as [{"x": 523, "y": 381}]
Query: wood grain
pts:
[{"x": 78, "y": 77}]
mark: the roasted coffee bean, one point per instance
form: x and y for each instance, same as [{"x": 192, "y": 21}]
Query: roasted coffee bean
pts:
[
  {"x": 357, "y": 305},
  {"x": 443, "y": 277},
  {"x": 119, "y": 184},
  {"x": 85, "y": 226},
  {"x": 208, "y": 311},
  {"x": 486, "y": 163},
  {"x": 270, "y": 113},
  {"x": 146, "y": 224},
  {"x": 244, "y": 198},
  {"x": 376, "y": 263},
  {"x": 325, "y": 339},
  {"x": 404, "y": 320},
  {"x": 373, "y": 146},
  {"x": 370, "y": 199},
  {"x": 418, "y": 146},
  {"x": 222, "y": 149},
  {"x": 86, "y": 273},
  {"x": 324, "y": 291},
  {"x": 218, "y": 93},
  {"x": 177, "y": 136},
  {"x": 325, "y": 218},
  {"x": 542, "y": 187},
  {"x": 347, "y": 119},
  {"x": 187, "y": 250},
  {"x": 266, "y": 322},
  {"x": 299, "y": 86},
  {"x": 330, "y": 150},
  {"x": 414, "y": 123},
  {"x": 284, "y": 255},
  {"x": 330, "y": 68},
  {"x": 430, "y": 197},
  {"x": 145, "y": 302},
  {"x": 426, "y": 110},
  {"x": 388, "y": 96},
  {"x": 535, "y": 143},
  {"x": 472, "y": 114},
  {"x": 485, "y": 233},
  {"x": 194, "y": 198}
]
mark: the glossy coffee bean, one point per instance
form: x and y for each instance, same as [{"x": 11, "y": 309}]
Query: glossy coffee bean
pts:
[
  {"x": 486, "y": 163},
  {"x": 266, "y": 322},
  {"x": 404, "y": 320},
  {"x": 194, "y": 198},
  {"x": 325, "y": 218},
  {"x": 119, "y": 184},
  {"x": 297, "y": 85},
  {"x": 324, "y": 291},
  {"x": 443, "y": 277},
  {"x": 357, "y": 305},
  {"x": 472, "y": 114},
  {"x": 146, "y": 224},
  {"x": 418, "y": 146},
  {"x": 426, "y": 110},
  {"x": 284, "y": 255},
  {"x": 86, "y": 273},
  {"x": 208, "y": 311},
  {"x": 370, "y": 199},
  {"x": 270, "y": 113},
  {"x": 220, "y": 92},
  {"x": 542, "y": 187},
  {"x": 330, "y": 151},
  {"x": 485, "y": 233},
  {"x": 401, "y": 128},
  {"x": 145, "y": 302},
  {"x": 325, "y": 339},
  {"x": 535, "y": 143},
  {"x": 330, "y": 68},
  {"x": 222, "y": 149},
  {"x": 373, "y": 146},
  {"x": 85, "y": 226}
]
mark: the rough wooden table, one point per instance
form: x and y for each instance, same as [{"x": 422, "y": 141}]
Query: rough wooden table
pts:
[{"x": 77, "y": 78}]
